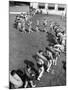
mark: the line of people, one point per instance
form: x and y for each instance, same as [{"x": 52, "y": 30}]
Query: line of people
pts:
[
  {"x": 21, "y": 23},
  {"x": 23, "y": 20},
  {"x": 44, "y": 58},
  {"x": 51, "y": 53}
]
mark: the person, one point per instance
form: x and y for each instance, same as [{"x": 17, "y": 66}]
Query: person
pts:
[
  {"x": 55, "y": 49},
  {"x": 46, "y": 58},
  {"x": 55, "y": 27},
  {"x": 40, "y": 65},
  {"x": 37, "y": 11},
  {"x": 41, "y": 55},
  {"x": 49, "y": 53},
  {"x": 17, "y": 18},
  {"x": 30, "y": 75},
  {"x": 19, "y": 26},
  {"x": 59, "y": 47},
  {"x": 62, "y": 36},
  {"x": 45, "y": 22},
  {"x": 15, "y": 78},
  {"x": 52, "y": 26},
  {"x": 18, "y": 22},
  {"x": 49, "y": 57},
  {"x": 52, "y": 54},
  {"x": 23, "y": 24},
  {"x": 30, "y": 26},
  {"x": 37, "y": 25}
]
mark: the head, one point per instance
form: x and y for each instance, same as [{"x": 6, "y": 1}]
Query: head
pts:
[
  {"x": 34, "y": 73},
  {"x": 13, "y": 72},
  {"x": 28, "y": 67},
  {"x": 48, "y": 52},
  {"x": 40, "y": 51},
  {"x": 31, "y": 72},
  {"x": 63, "y": 32}
]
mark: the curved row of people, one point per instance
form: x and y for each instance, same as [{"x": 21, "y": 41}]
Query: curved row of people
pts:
[
  {"x": 20, "y": 79},
  {"x": 20, "y": 24},
  {"x": 44, "y": 59},
  {"x": 52, "y": 53}
]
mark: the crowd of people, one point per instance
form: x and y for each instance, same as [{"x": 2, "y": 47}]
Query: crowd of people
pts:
[
  {"x": 52, "y": 52},
  {"x": 44, "y": 58},
  {"x": 23, "y": 20}
]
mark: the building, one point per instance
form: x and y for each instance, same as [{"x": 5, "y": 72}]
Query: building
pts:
[{"x": 50, "y": 8}]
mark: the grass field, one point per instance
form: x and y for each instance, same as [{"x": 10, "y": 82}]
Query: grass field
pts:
[{"x": 23, "y": 46}]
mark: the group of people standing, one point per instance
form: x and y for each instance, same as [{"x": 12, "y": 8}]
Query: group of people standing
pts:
[{"x": 24, "y": 20}]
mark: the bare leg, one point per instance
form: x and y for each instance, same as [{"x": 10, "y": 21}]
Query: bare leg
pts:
[
  {"x": 31, "y": 82},
  {"x": 37, "y": 29},
  {"x": 26, "y": 83},
  {"x": 49, "y": 65},
  {"x": 30, "y": 30},
  {"x": 24, "y": 28},
  {"x": 55, "y": 61},
  {"x": 19, "y": 27},
  {"x": 41, "y": 72}
]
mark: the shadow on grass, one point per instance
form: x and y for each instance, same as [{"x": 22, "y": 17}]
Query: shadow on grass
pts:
[{"x": 51, "y": 38}]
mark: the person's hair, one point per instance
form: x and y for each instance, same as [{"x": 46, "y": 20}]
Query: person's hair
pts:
[
  {"x": 40, "y": 51},
  {"x": 20, "y": 73},
  {"x": 13, "y": 72},
  {"x": 62, "y": 32}
]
